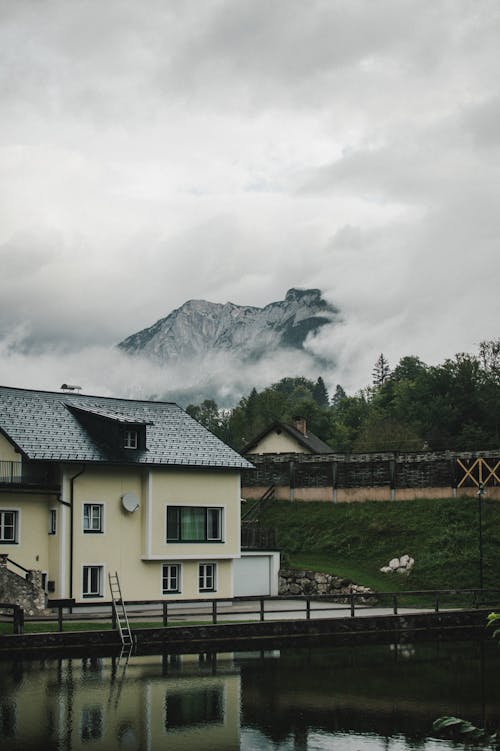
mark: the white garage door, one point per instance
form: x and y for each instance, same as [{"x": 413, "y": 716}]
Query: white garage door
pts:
[{"x": 252, "y": 576}]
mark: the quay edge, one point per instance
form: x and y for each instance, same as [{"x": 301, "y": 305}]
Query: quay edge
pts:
[{"x": 228, "y": 637}]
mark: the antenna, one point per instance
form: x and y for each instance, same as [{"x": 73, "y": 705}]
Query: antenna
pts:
[{"x": 70, "y": 387}]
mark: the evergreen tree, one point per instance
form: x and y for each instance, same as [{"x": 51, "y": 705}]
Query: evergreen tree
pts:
[
  {"x": 380, "y": 371},
  {"x": 320, "y": 393},
  {"x": 338, "y": 396}
]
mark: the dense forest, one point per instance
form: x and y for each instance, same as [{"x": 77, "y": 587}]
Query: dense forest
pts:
[{"x": 454, "y": 405}]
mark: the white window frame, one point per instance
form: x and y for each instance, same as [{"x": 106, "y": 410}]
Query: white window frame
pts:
[
  {"x": 92, "y": 595},
  {"x": 14, "y": 540},
  {"x": 218, "y": 510},
  {"x": 93, "y": 530},
  {"x": 207, "y": 580},
  {"x": 169, "y": 589},
  {"x": 131, "y": 439}
]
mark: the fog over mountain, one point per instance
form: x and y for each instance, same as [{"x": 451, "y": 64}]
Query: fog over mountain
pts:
[
  {"x": 158, "y": 152},
  {"x": 200, "y": 350},
  {"x": 250, "y": 333}
]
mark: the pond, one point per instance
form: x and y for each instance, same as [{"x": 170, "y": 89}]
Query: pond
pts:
[{"x": 359, "y": 698}]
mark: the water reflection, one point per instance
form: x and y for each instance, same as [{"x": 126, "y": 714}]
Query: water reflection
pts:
[{"x": 376, "y": 697}]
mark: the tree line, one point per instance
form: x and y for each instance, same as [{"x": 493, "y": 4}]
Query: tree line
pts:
[{"x": 454, "y": 405}]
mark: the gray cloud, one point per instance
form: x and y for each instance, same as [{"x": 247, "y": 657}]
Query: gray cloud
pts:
[{"x": 152, "y": 153}]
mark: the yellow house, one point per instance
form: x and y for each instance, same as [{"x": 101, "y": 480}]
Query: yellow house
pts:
[
  {"x": 281, "y": 438},
  {"x": 91, "y": 485}
]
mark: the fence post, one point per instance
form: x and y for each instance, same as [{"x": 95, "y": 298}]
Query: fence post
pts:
[
  {"x": 165, "y": 613},
  {"x": 352, "y": 604},
  {"x": 214, "y": 611},
  {"x": 114, "y": 624},
  {"x": 261, "y": 609},
  {"x": 17, "y": 619},
  {"x": 436, "y": 606},
  {"x": 60, "y": 618},
  {"x": 395, "y": 604},
  {"x": 308, "y": 609}
]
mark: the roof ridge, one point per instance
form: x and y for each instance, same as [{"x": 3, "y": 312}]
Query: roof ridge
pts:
[{"x": 86, "y": 396}]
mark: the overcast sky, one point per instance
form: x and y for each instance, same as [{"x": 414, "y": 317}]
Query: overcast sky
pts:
[{"x": 158, "y": 151}]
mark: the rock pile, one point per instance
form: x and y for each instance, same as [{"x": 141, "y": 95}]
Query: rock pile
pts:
[
  {"x": 401, "y": 565},
  {"x": 299, "y": 582}
]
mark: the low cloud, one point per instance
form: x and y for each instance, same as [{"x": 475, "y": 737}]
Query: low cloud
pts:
[{"x": 228, "y": 151}]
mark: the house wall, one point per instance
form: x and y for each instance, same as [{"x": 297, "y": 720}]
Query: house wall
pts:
[
  {"x": 31, "y": 551},
  {"x": 196, "y": 489},
  {"x": 7, "y": 451},
  {"x": 278, "y": 443},
  {"x": 134, "y": 543}
]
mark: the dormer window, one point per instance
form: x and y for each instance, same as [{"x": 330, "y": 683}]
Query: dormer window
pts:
[{"x": 131, "y": 439}]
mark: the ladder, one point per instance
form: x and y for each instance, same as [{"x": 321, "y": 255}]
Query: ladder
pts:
[{"x": 120, "y": 611}]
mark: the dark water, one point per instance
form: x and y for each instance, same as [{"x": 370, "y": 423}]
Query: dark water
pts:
[{"x": 343, "y": 698}]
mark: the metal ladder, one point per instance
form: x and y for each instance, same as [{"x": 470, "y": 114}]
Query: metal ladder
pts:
[{"x": 120, "y": 611}]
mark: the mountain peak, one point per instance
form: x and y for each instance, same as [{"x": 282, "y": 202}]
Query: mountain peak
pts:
[{"x": 199, "y": 327}]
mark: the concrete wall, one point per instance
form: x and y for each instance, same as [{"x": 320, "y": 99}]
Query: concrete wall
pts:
[{"x": 357, "y": 495}]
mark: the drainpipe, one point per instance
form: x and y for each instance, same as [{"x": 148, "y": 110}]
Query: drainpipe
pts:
[{"x": 71, "y": 526}]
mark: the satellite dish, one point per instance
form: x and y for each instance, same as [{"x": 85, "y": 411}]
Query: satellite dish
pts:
[{"x": 130, "y": 502}]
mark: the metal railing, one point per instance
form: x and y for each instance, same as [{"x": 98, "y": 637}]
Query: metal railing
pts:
[
  {"x": 158, "y": 613},
  {"x": 21, "y": 473}
]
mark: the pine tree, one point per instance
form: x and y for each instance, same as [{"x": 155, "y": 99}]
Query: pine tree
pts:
[
  {"x": 381, "y": 371},
  {"x": 320, "y": 393},
  {"x": 338, "y": 396}
]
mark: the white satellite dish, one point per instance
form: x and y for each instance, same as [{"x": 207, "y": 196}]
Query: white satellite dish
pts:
[{"x": 130, "y": 502}]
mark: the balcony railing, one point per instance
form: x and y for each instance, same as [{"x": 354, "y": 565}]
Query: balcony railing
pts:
[{"x": 20, "y": 473}]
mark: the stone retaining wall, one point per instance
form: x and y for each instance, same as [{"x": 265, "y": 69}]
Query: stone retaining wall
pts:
[
  {"x": 302, "y": 582},
  {"x": 26, "y": 592}
]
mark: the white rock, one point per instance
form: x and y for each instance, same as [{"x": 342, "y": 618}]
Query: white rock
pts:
[
  {"x": 411, "y": 563},
  {"x": 394, "y": 563},
  {"x": 386, "y": 570},
  {"x": 404, "y": 561}
]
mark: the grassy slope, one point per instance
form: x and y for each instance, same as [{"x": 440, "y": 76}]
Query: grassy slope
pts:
[{"x": 355, "y": 540}]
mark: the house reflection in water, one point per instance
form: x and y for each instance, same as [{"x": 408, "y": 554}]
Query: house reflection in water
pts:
[{"x": 180, "y": 702}]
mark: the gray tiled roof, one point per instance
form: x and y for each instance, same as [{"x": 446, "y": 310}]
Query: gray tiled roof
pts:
[
  {"x": 114, "y": 414},
  {"x": 44, "y": 427}
]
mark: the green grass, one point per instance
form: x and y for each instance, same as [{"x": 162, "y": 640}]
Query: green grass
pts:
[{"x": 355, "y": 540}]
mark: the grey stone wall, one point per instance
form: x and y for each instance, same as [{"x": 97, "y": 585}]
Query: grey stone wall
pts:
[
  {"x": 26, "y": 592},
  {"x": 302, "y": 582}
]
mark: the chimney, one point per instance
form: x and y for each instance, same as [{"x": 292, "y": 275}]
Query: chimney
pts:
[{"x": 300, "y": 425}]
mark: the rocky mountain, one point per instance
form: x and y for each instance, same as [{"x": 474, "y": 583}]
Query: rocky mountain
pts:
[{"x": 199, "y": 327}]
